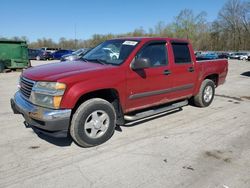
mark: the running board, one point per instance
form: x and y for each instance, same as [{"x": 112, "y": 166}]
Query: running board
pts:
[{"x": 155, "y": 111}]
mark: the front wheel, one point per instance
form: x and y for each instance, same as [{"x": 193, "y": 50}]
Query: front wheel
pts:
[
  {"x": 206, "y": 94},
  {"x": 93, "y": 123}
]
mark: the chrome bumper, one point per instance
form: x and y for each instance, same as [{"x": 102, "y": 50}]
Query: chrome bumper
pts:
[{"x": 44, "y": 120}]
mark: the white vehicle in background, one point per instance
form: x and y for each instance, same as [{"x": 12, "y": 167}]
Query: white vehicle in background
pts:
[
  {"x": 51, "y": 50},
  {"x": 239, "y": 55},
  {"x": 244, "y": 56},
  {"x": 113, "y": 55}
]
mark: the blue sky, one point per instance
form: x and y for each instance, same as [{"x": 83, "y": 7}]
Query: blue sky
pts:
[{"x": 59, "y": 18}]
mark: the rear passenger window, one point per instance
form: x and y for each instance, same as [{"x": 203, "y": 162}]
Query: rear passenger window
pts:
[{"x": 181, "y": 53}]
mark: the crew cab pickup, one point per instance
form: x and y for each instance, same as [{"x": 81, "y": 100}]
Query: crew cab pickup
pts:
[{"x": 88, "y": 98}]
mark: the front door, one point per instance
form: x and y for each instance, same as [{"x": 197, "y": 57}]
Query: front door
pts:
[{"x": 150, "y": 86}]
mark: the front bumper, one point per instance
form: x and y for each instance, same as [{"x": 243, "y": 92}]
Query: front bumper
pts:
[{"x": 43, "y": 120}]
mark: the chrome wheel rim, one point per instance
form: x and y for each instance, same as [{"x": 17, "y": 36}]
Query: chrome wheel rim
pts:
[
  {"x": 96, "y": 124},
  {"x": 208, "y": 94}
]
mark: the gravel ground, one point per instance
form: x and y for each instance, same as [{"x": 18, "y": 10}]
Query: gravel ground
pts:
[{"x": 194, "y": 147}]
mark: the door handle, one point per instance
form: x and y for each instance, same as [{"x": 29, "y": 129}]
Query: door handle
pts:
[
  {"x": 191, "y": 69},
  {"x": 166, "y": 72}
]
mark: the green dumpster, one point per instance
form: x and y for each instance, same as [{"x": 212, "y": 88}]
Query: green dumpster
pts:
[{"x": 14, "y": 54}]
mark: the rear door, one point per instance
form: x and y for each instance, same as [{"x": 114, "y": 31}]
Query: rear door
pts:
[
  {"x": 183, "y": 70},
  {"x": 150, "y": 86}
]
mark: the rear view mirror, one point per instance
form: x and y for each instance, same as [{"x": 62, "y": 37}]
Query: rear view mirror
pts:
[{"x": 141, "y": 63}]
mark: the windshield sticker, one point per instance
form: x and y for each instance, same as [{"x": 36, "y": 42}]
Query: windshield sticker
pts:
[{"x": 131, "y": 43}]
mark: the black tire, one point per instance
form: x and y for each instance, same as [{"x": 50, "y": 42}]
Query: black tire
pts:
[
  {"x": 199, "y": 99},
  {"x": 29, "y": 64},
  {"x": 78, "y": 130}
]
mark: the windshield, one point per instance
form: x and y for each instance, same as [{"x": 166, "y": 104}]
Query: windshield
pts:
[{"x": 112, "y": 51}]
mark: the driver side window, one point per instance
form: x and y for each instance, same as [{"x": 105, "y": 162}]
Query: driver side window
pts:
[{"x": 156, "y": 53}]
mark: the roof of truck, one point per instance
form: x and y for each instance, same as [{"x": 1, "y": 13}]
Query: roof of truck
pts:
[{"x": 154, "y": 38}]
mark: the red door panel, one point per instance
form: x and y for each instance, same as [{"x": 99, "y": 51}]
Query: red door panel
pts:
[
  {"x": 183, "y": 70},
  {"x": 148, "y": 87}
]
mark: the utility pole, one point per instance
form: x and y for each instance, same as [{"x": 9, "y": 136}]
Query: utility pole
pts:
[{"x": 75, "y": 37}]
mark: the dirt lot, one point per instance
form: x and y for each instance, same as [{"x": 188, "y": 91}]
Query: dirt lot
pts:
[{"x": 195, "y": 147}]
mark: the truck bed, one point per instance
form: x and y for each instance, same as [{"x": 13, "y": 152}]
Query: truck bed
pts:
[{"x": 216, "y": 66}]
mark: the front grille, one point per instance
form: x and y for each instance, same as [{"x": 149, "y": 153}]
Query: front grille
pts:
[{"x": 26, "y": 87}]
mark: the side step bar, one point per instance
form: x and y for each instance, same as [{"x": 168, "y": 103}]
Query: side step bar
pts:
[{"x": 155, "y": 111}]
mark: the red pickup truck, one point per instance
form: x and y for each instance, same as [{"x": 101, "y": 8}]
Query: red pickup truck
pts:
[{"x": 136, "y": 78}]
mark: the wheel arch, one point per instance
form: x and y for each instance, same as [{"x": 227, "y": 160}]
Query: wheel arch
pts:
[
  {"x": 111, "y": 95},
  {"x": 214, "y": 78}
]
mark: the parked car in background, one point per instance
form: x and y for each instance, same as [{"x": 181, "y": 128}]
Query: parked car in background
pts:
[
  {"x": 33, "y": 53},
  {"x": 239, "y": 55},
  {"x": 44, "y": 55},
  {"x": 76, "y": 55},
  {"x": 196, "y": 53},
  {"x": 212, "y": 56},
  {"x": 113, "y": 55},
  {"x": 234, "y": 56},
  {"x": 107, "y": 52},
  {"x": 223, "y": 55},
  {"x": 244, "y": 56},
  {"x": 58, "y": 54},
  {"x": 51, "y": 50},
  {"x": 248, "y": 58},
  {"x": 207, "y": 56}
]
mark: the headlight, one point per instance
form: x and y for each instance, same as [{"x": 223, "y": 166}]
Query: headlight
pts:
[{"x": 47, "y": 94}]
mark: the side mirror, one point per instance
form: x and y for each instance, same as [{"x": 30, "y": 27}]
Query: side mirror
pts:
[{"x": 141, "y": 63}]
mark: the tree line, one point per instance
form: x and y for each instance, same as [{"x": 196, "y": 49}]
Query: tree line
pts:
[{"x": 229, "y": 32}]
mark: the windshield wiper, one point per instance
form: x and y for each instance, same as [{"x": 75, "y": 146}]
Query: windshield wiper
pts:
[
  {"x": 85, "y": 60},
  {"x": 100, "y": 61}
]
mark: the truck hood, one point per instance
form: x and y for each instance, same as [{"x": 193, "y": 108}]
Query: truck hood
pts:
[{"x": 56, "y": 71}]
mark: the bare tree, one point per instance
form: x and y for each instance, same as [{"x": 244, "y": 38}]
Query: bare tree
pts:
[{"x": 234, "y": 21}]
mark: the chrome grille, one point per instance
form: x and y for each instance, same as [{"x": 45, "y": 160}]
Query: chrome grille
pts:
[{"x": 26, "y": 87}]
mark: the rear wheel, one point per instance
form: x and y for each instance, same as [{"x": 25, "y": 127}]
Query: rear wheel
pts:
[
  {"x": 206, "y": 94},
  {"x": 93, "y": 122}
]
